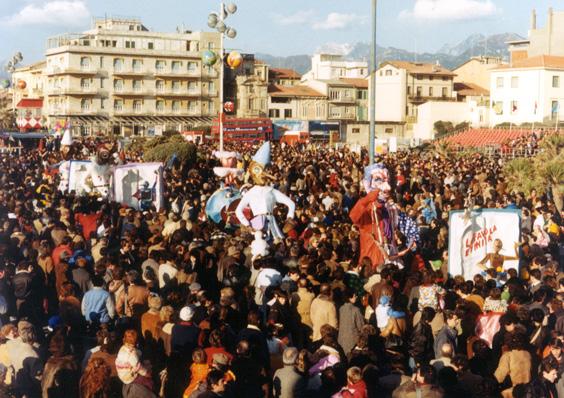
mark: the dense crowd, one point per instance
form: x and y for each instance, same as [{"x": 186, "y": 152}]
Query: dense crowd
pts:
[{"x": 100, "y": 300}]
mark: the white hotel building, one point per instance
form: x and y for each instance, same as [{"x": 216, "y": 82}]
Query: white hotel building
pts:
[{"x": 530, "y": 90}]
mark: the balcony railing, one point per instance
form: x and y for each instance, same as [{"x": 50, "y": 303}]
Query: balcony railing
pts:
[{"x": 343, "y": 99}]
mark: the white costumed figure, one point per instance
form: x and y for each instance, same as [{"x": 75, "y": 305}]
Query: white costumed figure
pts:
[
  {"x": 262, "y": 198},
  {"x": 64, "y": 166},
  {"x": 100, "y": 172}
]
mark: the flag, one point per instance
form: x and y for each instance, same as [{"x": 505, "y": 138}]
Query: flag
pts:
[
  {"x": 555, "y": 106},
  {"x": 171, "y": 161},
  {"x": 536, "y": 106},
  {"x": 498, "y": 107},
  {"x": 514, "y": 107}
]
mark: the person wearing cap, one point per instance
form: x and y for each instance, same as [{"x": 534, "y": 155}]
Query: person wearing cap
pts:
[
  {"x": 185, "y": 334},
  {"x": 287, "y": 381}
]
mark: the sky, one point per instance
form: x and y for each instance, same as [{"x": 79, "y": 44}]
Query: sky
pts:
[{"x": 278, "y": 27}]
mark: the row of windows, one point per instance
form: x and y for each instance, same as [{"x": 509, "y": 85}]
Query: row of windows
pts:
[
  {"x": 137, "y": 65},
  {"x": 85, "y": 105},
  {"x": 389, "y": 72},
  {"x": 430, "y": 91},
  {"x": 500, "y": 82},
  {"x": 189, "y": 45},
  {"x": 515, "y": 108},
  {"x": 137, "y": 85}
]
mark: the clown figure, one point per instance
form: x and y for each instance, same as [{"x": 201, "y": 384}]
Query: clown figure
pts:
[{"x": 262, "y": 198}]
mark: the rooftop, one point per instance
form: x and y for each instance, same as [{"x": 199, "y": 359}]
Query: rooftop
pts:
[
  {"x": 283, "y": 73},
  {"x": 470, "y": 89},
  {"x": 419, "y": 68},
  {"x": 540, "y": 61},
  {"x": 276, "y": 90},
  {"x": 357, "y": 82}
]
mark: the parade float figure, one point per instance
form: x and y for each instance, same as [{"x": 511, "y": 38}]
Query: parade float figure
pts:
[
  {"x": 64, "y": 166},
  {"x": 97, "y": 180},
  {"x": 262, "y": 199},
  {"x": 221, "y": 204},
  {"x": 375, "y": 217}
]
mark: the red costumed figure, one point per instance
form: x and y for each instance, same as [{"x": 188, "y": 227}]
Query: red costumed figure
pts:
[{"x": 373, "y": 217}]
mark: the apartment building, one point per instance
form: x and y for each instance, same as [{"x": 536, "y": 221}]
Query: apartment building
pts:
[
  {"x": 297, "y": 102},
  {"x": 123, "y": 78},
  {"x": 334, "y": 66},
  {"x": 529, "y": 90},
  {"x": 247, "y": 88},
  {"x": 401, "y": 87},
  {"x": 476, "y": 71}
]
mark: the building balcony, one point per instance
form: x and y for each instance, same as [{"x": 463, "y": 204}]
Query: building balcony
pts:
[
  {"x": 421, "y": 98},
  {"x": 76, "y": 111},
  {"x": 169, "y": 92},
  {"x": 84, "y": 71},
  {"x": 176, "y": 74},
  {"x": 343, "y": 100},
  {"x": 133, "y": 92},
  {"x": 84, "y": 91},
  {"x": 134, "y": 72},
  {"x": 341, "y": 116}
]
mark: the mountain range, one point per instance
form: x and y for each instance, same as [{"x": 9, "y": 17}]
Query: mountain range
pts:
[{"x": 449, "y": 55}]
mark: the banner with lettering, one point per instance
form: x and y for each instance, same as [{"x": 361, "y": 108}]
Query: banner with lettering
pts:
[{"x": 471, "y": 239}]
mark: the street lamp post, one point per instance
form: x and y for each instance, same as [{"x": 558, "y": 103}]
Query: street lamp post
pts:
[
  {"x": 217, "y": 22},
  {"x": 373, "y": 67}
]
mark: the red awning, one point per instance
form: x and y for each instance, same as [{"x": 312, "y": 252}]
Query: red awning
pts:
[{"x": 30, "y": 103}]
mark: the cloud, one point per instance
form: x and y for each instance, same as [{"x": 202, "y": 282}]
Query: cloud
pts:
[
  {"x": 335, "y": 48},
  {"x": 299, "y": 17},
  {"x": 337, "y": 20},
  {"x": 54, "y": 12},
  {"x": 450, "y": 9}
]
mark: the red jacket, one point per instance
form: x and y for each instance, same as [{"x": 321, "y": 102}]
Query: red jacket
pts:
[{"x": 356, "y": 390}]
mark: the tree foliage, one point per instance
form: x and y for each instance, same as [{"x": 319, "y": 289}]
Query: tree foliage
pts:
[
  {"x": 162, "y": 148},
  {"x": 544, "y": 172}
]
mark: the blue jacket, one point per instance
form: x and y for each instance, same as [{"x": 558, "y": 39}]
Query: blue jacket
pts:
[{"x": 95, "y": 305}]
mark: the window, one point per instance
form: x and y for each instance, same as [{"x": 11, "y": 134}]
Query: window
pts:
[
  {"x": 556, "y": 81},
  {"x": 274, "y": 113},
  {"x": 250, "y": 104},
  {"x": 430, "y": 91},
  {"x": 389, "y": 130},
  {"x": 84, "y": 63},
  {"x": 362, "y": 94},
  {"x": 211, "y": 106},
  {"x": 101, "y": 62},
  {"x": 514, "y": 82},
  {"x": 129, "y": 44},
  {"x": 388, "y": 72},
  {"x": 118, "y": 105},
  {"x": 103, "y": 103},
  {"x": 176, "y": 106},
  {"x": 211, "y": 87},
  {"x": 160, "y": 85},
  {"x": 287, "y": 113},
  {"x": 176, "y": 86},
  {"x": 499, "y": 82},
  {"x": 419, "y": 91},
  {"x": 160, "y": 106},
  {"x": 176, "y": 65},
  {"x": 334, "y": 95},
  {"x": 118, "y": 84},
  {"x": 408, "y": 90},
  {"x": 444, "y": 92},
  {"x": 118, "y": 64},
  {"x": 192, "y": 87},
  {"x": 211, "y": 45},
  {"x": 137, "y": 106},
  {"x": 160, "y": 66},
  {"x": 431, "y": 78},
  {"x": 137, "y": 85},
  {"x": 137, "y": 65},
  {"x": 356, "y": 130},
  {"x": 192, "y": 67},
  {"x": 498, "y": 107},
  {"x": 84, "y": 105},
  {"x": 555, "y": 109},
  {"x": 192, "y": 106},
  {"x": 85, "y": 84},
  {"x": 150, "y": 45}
]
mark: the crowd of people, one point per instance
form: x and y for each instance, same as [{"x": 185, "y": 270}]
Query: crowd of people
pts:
[{"x": 100, "y": 300}]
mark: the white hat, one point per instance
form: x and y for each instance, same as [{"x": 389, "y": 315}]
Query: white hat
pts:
[
  {"x": 186, "y": 314},
  {"x": 67, "y": 139}
]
